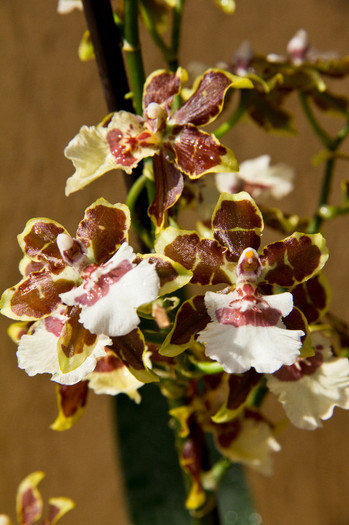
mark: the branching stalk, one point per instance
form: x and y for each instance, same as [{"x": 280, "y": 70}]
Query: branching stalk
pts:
[
  {"x": 133, "y": 53},
  {"x": 319, "y": 131},
  {"x": 107, "y": 40},
  {"x": 235, "y": 117},
  {"x": 176, "y": 33}
]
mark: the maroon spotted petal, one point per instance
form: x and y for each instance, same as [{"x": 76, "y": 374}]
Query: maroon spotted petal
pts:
[
  {"x": 161, "y": 87},
  {"x": 206, "y": 102},
  {"x": 168, "y": 187}
]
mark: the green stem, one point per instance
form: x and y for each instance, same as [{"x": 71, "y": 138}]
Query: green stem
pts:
[
  {"x": 319, "y": 218},
  {"x": 332, "y": 146},
  {"x": 132, "y": 198},
  {"x": 133, "y": 53},
  {"x": 169, "y": 52},
  {"x": 319, "y": 131},
  {"x": 235, "y": 117},
  {"x": 151, "y": 27},
  {"x": 176, "y": 33}
]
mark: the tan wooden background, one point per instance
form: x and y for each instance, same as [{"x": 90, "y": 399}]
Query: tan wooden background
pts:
[{"x": 46, "y": 95}]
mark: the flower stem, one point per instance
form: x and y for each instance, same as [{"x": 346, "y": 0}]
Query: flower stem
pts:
[
  {"x": 325, "y": 192},
  {"x": 235, "y": 117},
  {"x": 150, "y": 25},
  {"x": 131, "y": 201},
  {"x": 331, "y": 145},
  {"x": 133, "y": 53},
  {"x": 169, "y": 52},
  {"x": 319, "y": 131},
  {"x": 176, "y": 33},
  {"x": 107, "y": 39}
]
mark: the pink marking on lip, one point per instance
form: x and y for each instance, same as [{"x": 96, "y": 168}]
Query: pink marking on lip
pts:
[
  {"x": 101, "y": 287},
  {"x": 54, "y": 325},
  {"x": 254, "y": 316}
]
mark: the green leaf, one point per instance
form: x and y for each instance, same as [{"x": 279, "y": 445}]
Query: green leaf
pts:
[{"x": 153, "y": 479}]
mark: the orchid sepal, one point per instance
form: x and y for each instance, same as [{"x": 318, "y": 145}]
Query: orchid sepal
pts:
[
  {"x": 237, "y": 223},
  {"x": 209, "y": 262},
  {"x": 71, "y": 402},
  {"x": 294, "y": 260},
  {"x": 190, "y": 319}
]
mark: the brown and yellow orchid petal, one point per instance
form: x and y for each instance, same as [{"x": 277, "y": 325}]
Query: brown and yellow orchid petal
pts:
[
  {"x": 237, "y": 223},
  {"x": 195, "y": 152},
  {"x": 111, "y": 377},
  {"x": 29, "y": 502},
  {"x": 209, "y": 262},
  {"x": 191, "y": 462},
  {"x": 71, "y": 401},
  {"x": 27, "y": 266},
  {"x": 267, "y": 111},
  {"x": 162, "y": 86},
  {"x": 75, "y": 343},
  {"x": 294, "y": 260},
  {"x": 296, "y": 320},
  {"x": 57, "y": 508},
  {"x": 191, "y": 318},
  {"x": 239, "y": 389},
  {"x": 168, "y": 188},
  {"x": 206, "y": 102},
  {"x": 312, "y": 297},
  {"x": 37, "y": 295},
  {"x": 172, "y": 275},
  {"x": 16, "y": 330},
  {"x": 131, "y": 350},
  {"x": 38, "y": 242},
  {"x": 104, "y": 228}
]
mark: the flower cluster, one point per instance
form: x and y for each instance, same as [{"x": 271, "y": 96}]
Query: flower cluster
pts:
[
  {"x": 29, "y": 504},
  {"x": 77, "y": 304},
  {"x": 94, "y": 314}
]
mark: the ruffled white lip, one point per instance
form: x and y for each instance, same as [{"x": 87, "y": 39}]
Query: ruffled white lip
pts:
[
  {"x": 253, "y": 334},
  {"x": 312, "y": 398},
  {"x": 111, "y": 294}
]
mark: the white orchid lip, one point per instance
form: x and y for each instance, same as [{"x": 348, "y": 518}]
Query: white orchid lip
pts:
[
  {"x": 100, "y": 281},
  {"x": 246, "y": 328},
  {"x": 311, "y": 388},
  {"x": 259, "y": 178},
  {"x": 111, "y": 293}
]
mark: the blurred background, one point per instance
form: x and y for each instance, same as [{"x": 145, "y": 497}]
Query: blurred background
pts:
[{"x": 46, "y": 95}]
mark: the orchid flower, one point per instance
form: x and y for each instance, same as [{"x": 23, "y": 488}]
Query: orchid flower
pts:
[
  {"x": 172, "y": 138},
  {"x": 241, "y": 327},
  {"x": 245, "y": 438},
  {"x": 80, "y": 292},
  {"x": 29, "y": 504},
  {"x": 248, "y": 440},
  {"x": 246, "y": 327},
  {"x": 311, "y": 388},
  {"x": 258, "y": 178}
]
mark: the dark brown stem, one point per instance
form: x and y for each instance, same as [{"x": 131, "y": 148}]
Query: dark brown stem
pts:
[{"x": 107, "y": 42}]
